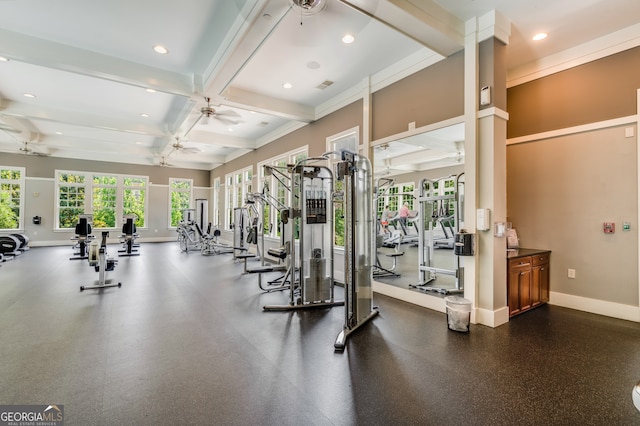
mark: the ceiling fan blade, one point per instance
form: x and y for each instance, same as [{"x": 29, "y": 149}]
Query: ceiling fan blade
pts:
[
  {"x": 228, "y": 113},
  {"x": 227, "y": 120},
  {"x": 191, "y": 150},
  {"x": 9, "y": 130}
]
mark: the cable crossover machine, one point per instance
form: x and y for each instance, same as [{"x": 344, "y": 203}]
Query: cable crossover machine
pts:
[
  {"x": 310, "y": 267},
  {"x": 441, "y": 207},
  {"x": 359, "y": 243}
]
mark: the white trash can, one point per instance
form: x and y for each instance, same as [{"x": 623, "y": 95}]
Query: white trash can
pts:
[{"x": 458, "y": 313}]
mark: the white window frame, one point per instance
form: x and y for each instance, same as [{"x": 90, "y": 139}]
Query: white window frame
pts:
[
  {"x": 231, "y": 188},
  {"x": 348, "y": 139},
  {"x": 401, "y": 196},
  {"x": 288, "y": 158},
  {"x": 21, "y": 183},
  {"x": 216, "y": 203},
  {"x": 88, "y": 188},
  {"x": 183, "y": 190}
]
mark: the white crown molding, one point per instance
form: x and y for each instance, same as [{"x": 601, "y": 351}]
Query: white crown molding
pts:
[{"x": 610, "y": 44}]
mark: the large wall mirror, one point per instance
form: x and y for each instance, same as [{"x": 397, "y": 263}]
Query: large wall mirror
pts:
[{"x": 419, "y": 178}]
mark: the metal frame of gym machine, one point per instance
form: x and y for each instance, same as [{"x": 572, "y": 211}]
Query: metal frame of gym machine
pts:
[
  {"x": 381, "y": 189},
  {"x": 102, "y": 263},
  {"x": 282, "y": 254},
  {"x": 359, "y": 243},
  {"x": 311, "y": 267},
  {"x": 430, "y": 206}
]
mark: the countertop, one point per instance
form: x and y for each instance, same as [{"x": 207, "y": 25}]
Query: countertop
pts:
[{"x": 521, "y": 252}]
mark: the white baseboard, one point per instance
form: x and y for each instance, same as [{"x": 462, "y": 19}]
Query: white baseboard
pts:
[
  {"x": 491, "y": 318},
  {"x": 109, "y": 241},
  {"x": 420, "y": 299},
  {"x": 594, "y": 306},
  {"x": 478, "y": 315}
]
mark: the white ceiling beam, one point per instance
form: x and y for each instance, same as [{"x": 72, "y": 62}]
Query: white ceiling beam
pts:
[
  {"x": 61, "y": 57},
  {"x": 220, "y": 140},
  {"x": 244, "y": 44},
  {"x": 20, "y": 110},
  {"x": 419, "y": 157},
  {"x": 423, "y": 20},
  {"x": 186, "y": 158},
  {"x": 234, "y": 96},
  {"x": 264, "y": 18},
  {"x": 242, "y": 31},
  {"x": 69, "y": 143}
]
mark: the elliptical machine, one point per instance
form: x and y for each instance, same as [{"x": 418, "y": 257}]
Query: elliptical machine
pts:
[{"x": 99, "y": 260}]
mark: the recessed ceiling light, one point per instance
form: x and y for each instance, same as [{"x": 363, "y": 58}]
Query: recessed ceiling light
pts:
[
  {"x": 287, "y": 85},
  {"x": 158, "y": 48},
  {"x": 150, "y": 90},
  {"x": 540, "y": 36},
  {"x": 29, "y": 95},
  {"x": 348, "y": 39},
  {"x": 230, "y": 129},
  {"x": 3, "y": 59},
  {"x": 138, "y": 143},
  {"x": 58, "y": 133},
  {"x": 144, "y": 114}
]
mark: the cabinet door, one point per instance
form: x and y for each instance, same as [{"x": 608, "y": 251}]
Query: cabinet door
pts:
[
  {"x": 525, "y": 289},
  {"x": 536, "y": 289},
  {"x": 540, "y": 278},
  {"x": 543, "y": 279},
  {"x": 513, "y": 291},
  {"x": 519, "y": 285}
]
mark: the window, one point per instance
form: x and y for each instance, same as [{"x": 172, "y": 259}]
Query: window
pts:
[
  {"x": 181, "y": 194},
  {"x": 344, "y": 141},
  {"x": 134, "y": 198},
  {"x": 277, "y": 189},
  {"x": 11, "y": 197},
  {"x": 111, "y": 197},
  {"x": 104, "y": 191},
  {"x": 71, "y": 198},
  {"x": 216, "y": 202},
  {"x": 237, "y": 187},
  {"x": 395, "y": 196}
]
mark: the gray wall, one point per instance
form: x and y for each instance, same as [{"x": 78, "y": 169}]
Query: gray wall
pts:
[{"x": 40, "y": 192}]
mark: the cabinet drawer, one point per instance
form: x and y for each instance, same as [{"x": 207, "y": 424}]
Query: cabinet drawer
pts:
[
  {"x": 540, "y": 259},
  {"x": 520, "y": 262}
]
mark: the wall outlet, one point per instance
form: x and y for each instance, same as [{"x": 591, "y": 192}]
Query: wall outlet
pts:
[{"x": 571, "y": 273}]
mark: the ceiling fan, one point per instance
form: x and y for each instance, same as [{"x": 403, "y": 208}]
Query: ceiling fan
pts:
[
  {"x": 208, "y": 112},
  {"x": 25, "y": 149},
  {"x": 310, "y": 7},
  {"x": 164, "y": 162},
  {"x": 178, "y": 146}
]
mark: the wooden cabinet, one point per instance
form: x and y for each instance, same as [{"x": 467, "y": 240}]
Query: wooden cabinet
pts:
[{"x": 527, "y": 280}]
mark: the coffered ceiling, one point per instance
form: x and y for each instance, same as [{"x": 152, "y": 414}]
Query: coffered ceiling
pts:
[{"x": 81, "y": 79}]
